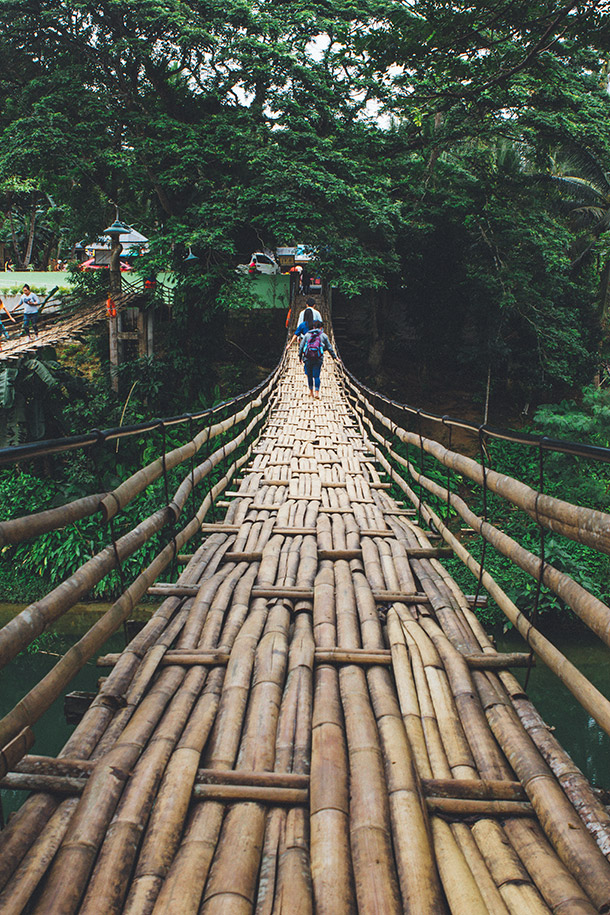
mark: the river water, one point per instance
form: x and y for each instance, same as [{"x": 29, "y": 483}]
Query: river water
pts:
[{"x": 588, "y": 745}]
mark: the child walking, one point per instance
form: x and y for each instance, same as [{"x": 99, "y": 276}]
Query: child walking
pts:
[{"x": 311, "y": 352}]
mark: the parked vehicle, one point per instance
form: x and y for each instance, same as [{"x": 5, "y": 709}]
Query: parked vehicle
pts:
[{"x": 259, "y": 263}]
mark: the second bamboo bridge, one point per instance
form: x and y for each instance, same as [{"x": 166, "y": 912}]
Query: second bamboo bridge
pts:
[{"x": 314, "y": 719}]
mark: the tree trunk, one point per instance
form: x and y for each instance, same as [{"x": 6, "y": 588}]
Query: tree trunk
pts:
[
  {"x": 14, "y": 237},
  {"x": 47, "y": 253},
  {"x": 378, "y": 302},
  {"x": 30, "y": 245}
]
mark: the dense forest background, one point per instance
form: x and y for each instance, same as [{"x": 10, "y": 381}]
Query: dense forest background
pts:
[{"x": 449, "y": 163}]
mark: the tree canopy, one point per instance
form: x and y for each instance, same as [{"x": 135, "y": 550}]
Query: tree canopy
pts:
[{"x": 404, "y": 141}]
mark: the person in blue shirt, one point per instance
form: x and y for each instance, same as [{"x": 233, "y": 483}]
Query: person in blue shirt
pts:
[
  {"x": 311, "y": 352},
  {"x": 306, "y": 321}
]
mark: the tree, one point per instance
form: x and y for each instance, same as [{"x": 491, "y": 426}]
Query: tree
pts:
[{"x": 363, "y": 128}]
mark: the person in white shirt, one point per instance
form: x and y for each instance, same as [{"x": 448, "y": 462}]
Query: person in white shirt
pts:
[
  {"x": 30, "y": 303},
  {"x": 316, "y": 316}
]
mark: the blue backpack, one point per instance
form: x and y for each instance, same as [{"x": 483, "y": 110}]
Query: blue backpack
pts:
[{"x": 313, "y": 346}]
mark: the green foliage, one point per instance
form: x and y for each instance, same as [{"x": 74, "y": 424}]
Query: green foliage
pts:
[
  {"x": 32, "y": 568},
  {"x": 404, "y": 142},
  {"x": 403, "y": 152},
  {"x": 566, "y": 477}
]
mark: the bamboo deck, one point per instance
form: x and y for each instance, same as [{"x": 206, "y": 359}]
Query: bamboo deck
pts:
[
  {"x": 63, "y": 329},
  {"x": 313, "y": 721}
]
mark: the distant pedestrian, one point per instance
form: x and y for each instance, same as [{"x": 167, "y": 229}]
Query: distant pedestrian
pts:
[
  {"x": 30, "y": 303},
  {"x": 295, "y": 281},
  {"x": 311, "y": 351},
  {"x": 305, "y": 279}
]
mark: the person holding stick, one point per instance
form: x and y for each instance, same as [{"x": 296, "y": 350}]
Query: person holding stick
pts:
[{"x": 311, "y": 352}]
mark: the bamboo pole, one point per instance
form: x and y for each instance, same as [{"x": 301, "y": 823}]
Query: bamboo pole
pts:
[
  {"x": 475, "y": 789},
  {"x": 256, "y": 751},
  {"x": 565, "y": 831},
  {"x": 374, "y": 869},
  {"x": 407, "y": 695},
  {"x": 15, "y": 897},
  {"x": 589, "y": 806},
  {"x": 331, "y": 861},
  {"x": 467, "y": 807},
  {"x": 509, "y": 873},
  {"x": 478, "y": 867},
  {"x": 588, "y": 696},
  {"x": 19, "y": 529},
  {"x": 554, "y": 882},
  {"x": 462, "y": 892},
  {"x": 581, "y": 524}
]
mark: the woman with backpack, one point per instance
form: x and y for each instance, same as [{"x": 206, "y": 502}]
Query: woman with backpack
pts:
[{"x": 311, "y": 352}]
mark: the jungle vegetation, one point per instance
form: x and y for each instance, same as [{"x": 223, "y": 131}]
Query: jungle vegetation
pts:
[{"x": 447, "y": 161}]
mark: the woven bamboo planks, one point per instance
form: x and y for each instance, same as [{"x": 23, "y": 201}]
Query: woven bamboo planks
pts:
[{"x": 283, "y": 596}]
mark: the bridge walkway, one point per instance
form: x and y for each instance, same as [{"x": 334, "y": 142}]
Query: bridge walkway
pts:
[
  {"x": 63, "y": 327},
  {"x": 313, "y": 720}
]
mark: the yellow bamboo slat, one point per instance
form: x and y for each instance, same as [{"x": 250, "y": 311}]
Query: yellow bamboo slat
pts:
[{"x": 313, "y": 719}]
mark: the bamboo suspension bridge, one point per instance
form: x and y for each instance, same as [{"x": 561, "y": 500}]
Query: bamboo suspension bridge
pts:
[
  {"x": 65, "y": 327},
  {"x": 313, "y": 720}
]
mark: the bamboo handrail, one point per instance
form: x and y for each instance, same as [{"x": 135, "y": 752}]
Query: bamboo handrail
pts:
[
  {"x": 316, "y": 692},
  {"x": 41, "y": 697},
  {"x": 19, "y": 529},
  {"x": 590, "y": 609},
  {"x": 27, "y": 625},
  {"x": 584, "y": 525},
  {"x": 591, "y": 699}
]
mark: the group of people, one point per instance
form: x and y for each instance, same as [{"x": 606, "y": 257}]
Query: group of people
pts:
[
  {"x": 300, "y": 276},
  {"x": 30, "y": 302},
  {"x": 313, "y": 343}
]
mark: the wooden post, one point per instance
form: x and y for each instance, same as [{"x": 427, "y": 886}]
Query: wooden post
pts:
[{"x": 115, "y": 346}]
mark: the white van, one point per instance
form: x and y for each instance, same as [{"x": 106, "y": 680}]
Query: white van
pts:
[{"x": 259, "y": 263}]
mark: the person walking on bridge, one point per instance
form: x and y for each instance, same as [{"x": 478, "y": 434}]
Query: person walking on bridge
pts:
[
  {"x": 316, "y": 316},
  {"x": 311, "y": 352},
  {"x": 30, "y": 303},
  {"x": 3, "y": 330},
  {"x": 305, "y": 321}
]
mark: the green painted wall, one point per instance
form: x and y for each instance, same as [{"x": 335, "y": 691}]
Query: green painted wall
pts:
[{"x": 273, "y": 291}]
